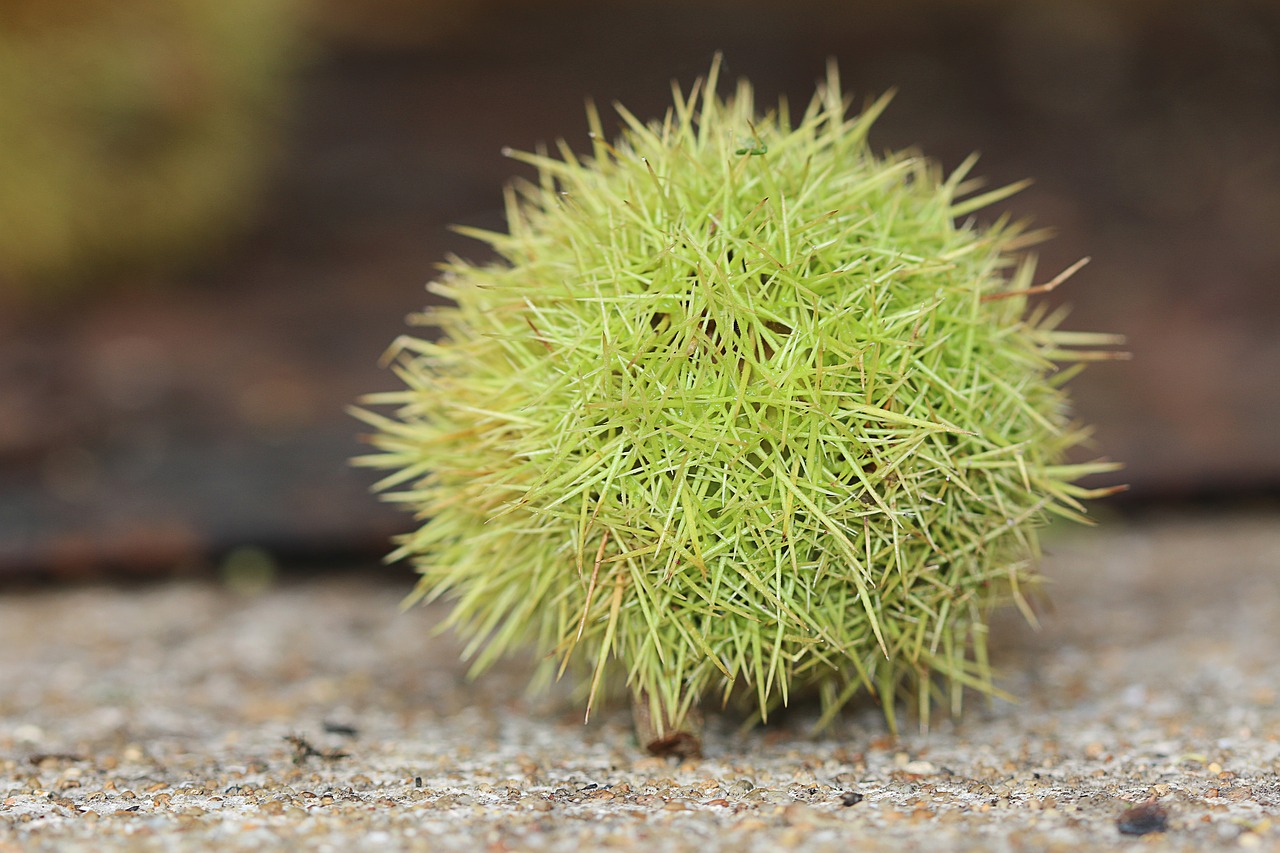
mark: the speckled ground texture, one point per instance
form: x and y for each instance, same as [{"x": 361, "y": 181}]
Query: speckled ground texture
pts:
[{"x": 159, "y": 718}]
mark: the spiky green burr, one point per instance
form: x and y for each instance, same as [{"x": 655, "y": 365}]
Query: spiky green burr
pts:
[{"x": 741, "y": 407}]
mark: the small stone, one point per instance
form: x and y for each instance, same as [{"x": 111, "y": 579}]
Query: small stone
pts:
[
  {"x": 1143, "y": 819},
  {"x": 535, "y": 803}
]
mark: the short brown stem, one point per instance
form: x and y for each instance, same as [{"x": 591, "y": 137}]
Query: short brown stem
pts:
[{"x": 664, "y": 738}]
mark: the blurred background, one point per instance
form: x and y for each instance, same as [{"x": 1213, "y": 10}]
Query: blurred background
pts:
[{"x": 215, "y": 214}]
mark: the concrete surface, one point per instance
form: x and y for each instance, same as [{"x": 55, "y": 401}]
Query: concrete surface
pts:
[{"x": 310, "y": 715}]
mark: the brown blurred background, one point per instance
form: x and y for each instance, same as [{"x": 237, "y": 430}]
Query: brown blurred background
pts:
[{"x": 207, "y": 248}]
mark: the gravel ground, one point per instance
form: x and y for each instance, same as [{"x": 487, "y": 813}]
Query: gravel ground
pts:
[{"x": 188, "y": 716}]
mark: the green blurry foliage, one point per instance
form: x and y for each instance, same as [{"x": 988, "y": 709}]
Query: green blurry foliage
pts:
[{"x": 133, "y": 133}]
